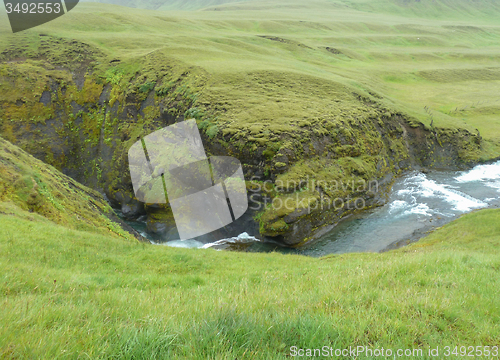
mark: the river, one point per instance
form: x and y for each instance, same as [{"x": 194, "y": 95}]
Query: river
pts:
[{"x": 418, "y": 203}]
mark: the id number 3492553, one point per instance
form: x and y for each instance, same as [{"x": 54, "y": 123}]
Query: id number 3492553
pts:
[{"x": 34, "y": 8}]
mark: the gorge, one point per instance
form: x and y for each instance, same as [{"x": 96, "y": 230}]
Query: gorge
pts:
[{"x": 79, "y": 106}]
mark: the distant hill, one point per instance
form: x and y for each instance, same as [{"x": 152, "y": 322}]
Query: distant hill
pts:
[
  {"x": 433, "y": 9},
  {"x": 439, "y": 9},
  {"x": 167, "y": 4}
]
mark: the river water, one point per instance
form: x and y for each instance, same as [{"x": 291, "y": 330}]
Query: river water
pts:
[{"x": 418, "y": 203}]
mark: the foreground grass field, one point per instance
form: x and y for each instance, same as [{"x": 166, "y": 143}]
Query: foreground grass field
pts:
[{"x": 71, "y": 294}]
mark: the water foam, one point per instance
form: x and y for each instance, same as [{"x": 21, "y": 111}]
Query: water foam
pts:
[
  {"x": 194, "y": 244},
  {"x": 460, "y": 201},
  {"x": 418, "y": 188},
  {"x": 240, "y": 239},
  {"x": 186, "y": 244},
  {"x": 419, "y": 209},
  {"x": 397, "y": 206},
  {"x": 481, "y": 173}
]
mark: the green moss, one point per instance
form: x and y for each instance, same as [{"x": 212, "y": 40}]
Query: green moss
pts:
[
  {"x": 35, "y": 186},
  {"x": 198, "y": 114},
  {"x": 212, "y": 131},
  {"x": 274, "y": 229},
  {"x": 147, "y": 87}
]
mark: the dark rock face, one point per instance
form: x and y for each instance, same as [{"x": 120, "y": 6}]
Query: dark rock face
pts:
[
  {"x": 130, "y": 208},
  {"x": 46, "y": 98}
]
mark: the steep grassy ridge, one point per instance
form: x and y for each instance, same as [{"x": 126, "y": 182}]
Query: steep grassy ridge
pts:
[{"x": 27, "y": 185}]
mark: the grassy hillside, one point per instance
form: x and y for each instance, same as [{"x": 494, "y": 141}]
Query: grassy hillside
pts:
[
  {"x": 263, "y": 80},
  {"x": 407, "y": 63},
  {"x": 76, "y": 285},
  {"x": 65, "y": 293},
  {"x": 442, "y": 10},
  {"x": 28, "y": 185}
]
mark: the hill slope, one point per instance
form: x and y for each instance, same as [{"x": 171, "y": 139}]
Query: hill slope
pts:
[
  {"x": 65, "y": 292},
  {"x": 27, "y": 185},
  {"x": 298, "y": 91},
  {"x": 441, "y": 9}
]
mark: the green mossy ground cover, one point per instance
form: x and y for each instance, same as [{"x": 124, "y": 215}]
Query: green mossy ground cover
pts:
[{"x": 28, "y": 185}]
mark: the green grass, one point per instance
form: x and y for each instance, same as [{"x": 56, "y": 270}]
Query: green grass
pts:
[
  {"x": 72, "y": 294},
  {"x": 443, "y": 10}
]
